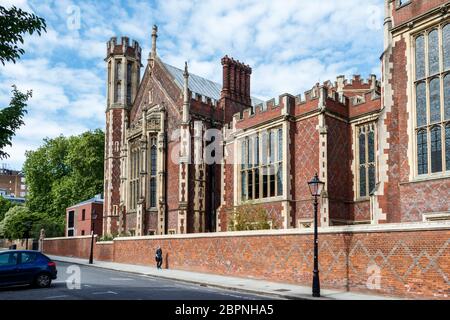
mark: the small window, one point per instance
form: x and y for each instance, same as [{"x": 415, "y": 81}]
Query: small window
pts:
[
  {"x": 28, "y": 257},
  {"x": 82, "y": 232},
  {"x": 401, "y": 3},
  {"x": 8, "y": 259},
  {"x": 83, "y": 214}
]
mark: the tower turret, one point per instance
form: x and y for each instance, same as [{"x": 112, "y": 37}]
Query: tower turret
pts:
[
  {"x": 124, "y": 66},
  {"x": 123, "y": 62}
]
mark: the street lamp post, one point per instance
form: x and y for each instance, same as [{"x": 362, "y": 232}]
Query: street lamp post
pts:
[
  {"x": 93, "y": 218},
  {"x": 316, "y": 187}
]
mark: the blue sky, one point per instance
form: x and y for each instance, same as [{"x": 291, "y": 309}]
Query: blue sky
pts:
[{"x": 290, "y": 44}]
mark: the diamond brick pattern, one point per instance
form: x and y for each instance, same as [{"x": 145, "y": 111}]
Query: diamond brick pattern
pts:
[{"x": 412, "y": 264}]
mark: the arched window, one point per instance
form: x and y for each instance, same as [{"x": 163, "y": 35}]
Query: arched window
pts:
[
  {"x": 432, "y": 101},
  {"x": 420, "y": 57},
  {"x": 366, "y": 159},
  {"x": 129, "y": 82},
  {"x": 446, "y": 46},
  {"x": 153, "y": 172},
  {"x": 433, "y": 52}
]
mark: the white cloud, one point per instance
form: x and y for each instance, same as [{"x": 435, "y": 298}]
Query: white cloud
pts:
[{"x": 290, "y": 44}]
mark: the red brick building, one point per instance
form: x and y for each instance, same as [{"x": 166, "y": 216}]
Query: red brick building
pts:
[
  {"x": 79, "y": 218},
  {"x": 382, "y": 147},
  {"x": 12, "y": 183}
]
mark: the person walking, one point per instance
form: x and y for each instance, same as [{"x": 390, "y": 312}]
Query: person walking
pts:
[{"x": 159, "y": 258}]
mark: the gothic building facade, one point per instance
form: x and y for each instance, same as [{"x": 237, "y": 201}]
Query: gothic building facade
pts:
[{"x": 382, "y": 147}]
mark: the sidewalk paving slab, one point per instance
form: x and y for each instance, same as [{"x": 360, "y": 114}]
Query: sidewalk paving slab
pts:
[{"x": 254, "y": 286}]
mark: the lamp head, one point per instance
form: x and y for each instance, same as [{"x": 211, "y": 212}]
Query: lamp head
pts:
[{"x": 316, "y": 186}]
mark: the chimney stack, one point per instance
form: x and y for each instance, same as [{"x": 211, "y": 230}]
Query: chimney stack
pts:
[{"x": 236, "y": 81}]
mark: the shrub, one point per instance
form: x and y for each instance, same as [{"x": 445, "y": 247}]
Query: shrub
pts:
[{"x": 250, "y": 216}]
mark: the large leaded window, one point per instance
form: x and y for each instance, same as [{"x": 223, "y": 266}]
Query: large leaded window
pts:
[
  {"x": 261, "y": 168},
  {"x": 134, "y": 177},
  {"x": 366, "y": 159},
  {"x": 432, "y": 100},
  {"x": 153, "y": 172}
]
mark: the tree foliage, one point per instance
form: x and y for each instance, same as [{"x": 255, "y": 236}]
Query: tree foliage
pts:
[
  {"x": 5, "y": 205},
  {"x": 14, "y": 24},
  {"x": 64, "y": 171},
  {"x": 11, "y": 118},
  {"x": 20, "y": 222},
  {"x": 252, "y": 216},
  {"x": 14, "y": 225}
]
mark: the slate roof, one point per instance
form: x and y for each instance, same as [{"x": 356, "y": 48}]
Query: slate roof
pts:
[{"x": 199, "y": 85}]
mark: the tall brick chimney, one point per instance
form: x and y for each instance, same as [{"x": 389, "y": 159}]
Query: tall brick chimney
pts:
[{"x": 235, "y": 95}]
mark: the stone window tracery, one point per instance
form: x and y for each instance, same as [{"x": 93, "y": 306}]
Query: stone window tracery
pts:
[{"x": 432, "y": 99}]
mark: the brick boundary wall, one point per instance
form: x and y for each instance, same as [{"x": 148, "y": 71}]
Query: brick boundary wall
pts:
[{"x": 403, "y": 260}]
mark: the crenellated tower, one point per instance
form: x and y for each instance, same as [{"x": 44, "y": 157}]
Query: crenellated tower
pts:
[{"x": 123, "y": 62}]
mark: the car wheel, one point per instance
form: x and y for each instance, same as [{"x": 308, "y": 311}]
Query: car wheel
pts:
[{"x": 43, "y": 280}]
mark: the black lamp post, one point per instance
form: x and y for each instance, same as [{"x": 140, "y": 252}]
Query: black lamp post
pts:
[
  {"x": 316, "y": 187},
  {"x": 93, "y": 218}
]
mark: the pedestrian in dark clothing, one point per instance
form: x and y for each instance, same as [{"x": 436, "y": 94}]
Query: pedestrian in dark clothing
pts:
[{"x": 159, "y": 258}]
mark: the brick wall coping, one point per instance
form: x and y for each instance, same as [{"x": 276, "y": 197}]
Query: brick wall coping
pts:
[
  {"x": 391, "y": 227},
  {"x": 416, "y": 226},
  {"x": 65, "y": 238}
]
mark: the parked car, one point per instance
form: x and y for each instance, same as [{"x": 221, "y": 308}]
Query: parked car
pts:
[{"x": 19, "y": 267}]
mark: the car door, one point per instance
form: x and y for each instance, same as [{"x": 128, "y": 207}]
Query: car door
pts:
[
  {"x": 28, "y": 266},
  {"x": 9, "y": 268}
]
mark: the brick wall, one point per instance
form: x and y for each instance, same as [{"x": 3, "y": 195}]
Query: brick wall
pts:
[{"x": 413, "y": 260}]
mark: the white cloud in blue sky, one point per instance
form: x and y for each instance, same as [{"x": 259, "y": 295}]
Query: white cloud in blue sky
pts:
[{"x": 290, "y": 44}]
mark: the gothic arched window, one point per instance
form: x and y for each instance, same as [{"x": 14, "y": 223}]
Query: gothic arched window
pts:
[
  {"x": 366, "y": 159},
  {"x": 153, "y": 172},
  {"x": 420, "y": 57},
  {"x": 433, "y": 52},
  {"x": 432, "y": 99},
  {"x": 446, "y": 46}
]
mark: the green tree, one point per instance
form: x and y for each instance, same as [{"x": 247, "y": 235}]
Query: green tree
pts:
[
  {"x": 14, "y": 225},
  {"x": 64, "y": 171},
  {"x": 11, "y": 118},
  {"x": 19, "y": 219},
  {"x": 54, "y": 227},
  {"x": 5, "y": 205},
  {"x": 14, "y": 24}
]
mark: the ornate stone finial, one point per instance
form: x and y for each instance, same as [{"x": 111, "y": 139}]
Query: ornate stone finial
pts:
[
  {"x": 186, "y": 97},
  {"x": 186, "y": 73},
  {"x": 154, "y": 36}
]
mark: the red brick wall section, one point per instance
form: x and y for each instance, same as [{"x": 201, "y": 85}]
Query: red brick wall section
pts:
[
  {"x": 414, "y": 9},
  {"x": 414, "y": 264},
  {"x": 79, "y": 247}
]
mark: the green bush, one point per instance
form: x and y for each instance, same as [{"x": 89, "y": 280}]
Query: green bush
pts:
[
  {"x": 18, "y": 220},
  {"x": 251, "y": 216}
]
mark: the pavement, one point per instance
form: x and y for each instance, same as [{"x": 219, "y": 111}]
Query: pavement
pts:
[{"x": 239, "y": 285}]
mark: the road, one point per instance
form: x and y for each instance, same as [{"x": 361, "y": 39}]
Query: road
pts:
[{"x": 102, "y": 284}]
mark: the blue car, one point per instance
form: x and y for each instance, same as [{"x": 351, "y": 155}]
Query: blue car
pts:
[{"x": 18, "y": 267}]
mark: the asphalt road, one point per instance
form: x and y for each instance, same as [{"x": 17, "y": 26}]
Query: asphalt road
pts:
[{"x": 101, "y": 284}]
